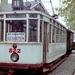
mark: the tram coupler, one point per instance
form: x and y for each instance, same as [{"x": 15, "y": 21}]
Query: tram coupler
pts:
[{"x": 10, "y": 72}]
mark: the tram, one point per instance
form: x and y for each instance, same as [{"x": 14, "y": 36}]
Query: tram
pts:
[{"x": 31, "y": 40}]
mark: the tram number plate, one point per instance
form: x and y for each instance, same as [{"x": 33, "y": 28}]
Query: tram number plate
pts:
[{"x": 11, "y": 50}]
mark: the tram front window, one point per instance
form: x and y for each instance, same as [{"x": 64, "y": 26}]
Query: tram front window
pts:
[
  {"x": 16, "y": 30},
  {"x": 32, "y": 30},
  {"x": 1, "y": 30}
]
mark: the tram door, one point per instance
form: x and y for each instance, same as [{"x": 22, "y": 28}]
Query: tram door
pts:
[{"x": 45, "y": 44}]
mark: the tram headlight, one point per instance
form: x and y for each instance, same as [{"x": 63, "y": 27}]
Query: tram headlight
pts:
[{"x": 14, "y": 57}]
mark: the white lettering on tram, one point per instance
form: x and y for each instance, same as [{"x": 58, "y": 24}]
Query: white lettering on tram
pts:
[
  {"x": 19, "y": 36},
  {"x": 15, "y": 38}
]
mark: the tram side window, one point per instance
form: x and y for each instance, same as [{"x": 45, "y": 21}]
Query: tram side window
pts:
[
  {"x": 60, "y": 35},
  {"x": 1, "y": 30},
  {"x": 57, "y": 35},
  {"x": 50, "y": 34},
  {"x": 40, "y": 31},
  {"x": 32, "y": 30},
  {"x": 64, "y": 37},
  {"x": 53, "y": 35}
]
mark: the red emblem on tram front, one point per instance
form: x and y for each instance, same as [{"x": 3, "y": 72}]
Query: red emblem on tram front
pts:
[{"x": 14, "y": 49}]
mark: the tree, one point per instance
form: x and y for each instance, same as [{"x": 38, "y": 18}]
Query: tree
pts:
[{"x": 67, "y": 10}]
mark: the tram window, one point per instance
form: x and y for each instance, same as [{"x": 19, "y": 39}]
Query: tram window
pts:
[
  {"x": 41, "y": 16},
  {"x": 32, "y": 30},
  {"x": 16, "y": 26},
  {"x": 53, "y": 22},
  {"x": 33, "y": 15},
  {"x": 15, "y": 15},
  {"x": 45, "y": 32},
  {"x": 64, "y": 37},
  {"x": 60, "y": 35},
  {"x": 16, "y": 30},
  {"x": 40, "y": 31},
  {"x": 57, "y": 35},
  {"x": 1, "y": 30},
  {"x": 50, "y": 34},
  {"x": 1, "y": 16},
  {"x": 53, "y": 35}
]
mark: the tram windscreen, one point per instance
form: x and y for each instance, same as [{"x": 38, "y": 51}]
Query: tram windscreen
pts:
[
  {"x": 16, "y": 30},
  {"x": 32, "y": 30}
]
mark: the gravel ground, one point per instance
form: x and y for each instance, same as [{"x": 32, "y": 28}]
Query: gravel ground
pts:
[{"x": 67, "y": 67}]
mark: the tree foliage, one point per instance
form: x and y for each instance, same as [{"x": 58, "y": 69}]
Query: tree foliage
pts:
[{"x": 67, "y": 10}]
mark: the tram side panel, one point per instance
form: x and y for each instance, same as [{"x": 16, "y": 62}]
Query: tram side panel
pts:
[
  {"x": 57, "y": 46},
  {"x": 55, "y": 51}
]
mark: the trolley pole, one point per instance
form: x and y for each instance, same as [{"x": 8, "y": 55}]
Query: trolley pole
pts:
[
  {"x": 54, "y": 15},
  {"x": 52, "y": 7}
]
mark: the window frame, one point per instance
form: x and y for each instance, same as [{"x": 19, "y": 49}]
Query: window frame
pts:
[
  {"x": 10, "y": 26},
  {"x": 29, "y": 31},
  {"x": 16, "y": 3}
]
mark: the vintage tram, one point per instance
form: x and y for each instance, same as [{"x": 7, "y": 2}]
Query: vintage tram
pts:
[{"x": 31, "y": 39}]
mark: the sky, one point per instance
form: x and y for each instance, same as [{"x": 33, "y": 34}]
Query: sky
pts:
[{"x": 47, "y": 4}]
